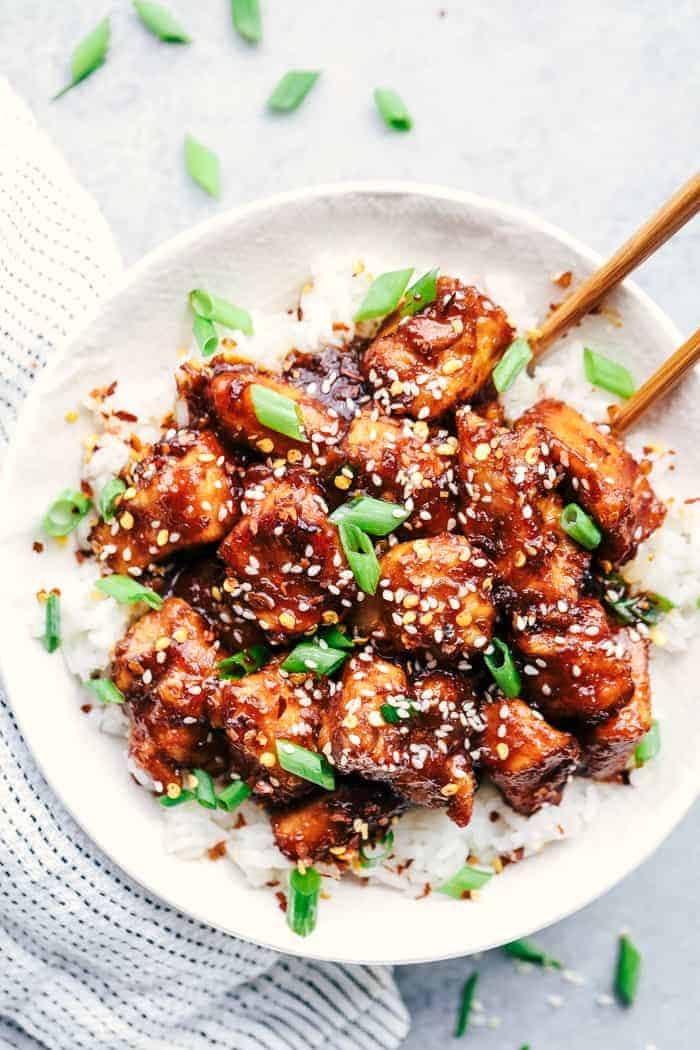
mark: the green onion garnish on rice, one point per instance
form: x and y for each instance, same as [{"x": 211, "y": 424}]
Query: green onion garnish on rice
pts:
[
  {"x": 529, "y": 952},
  {"x": 66, "y": 512},
  {"x": 246, "y": 19},
  {"x": 646, "y": 607},
  {"x": 384, "y": 294},
  {"x": 465, "y": 1005},
  {"x": 517, "y": 356},
  {"x": 302, "y": 905},
  {"x": 106, "y": 691},
  {"x": 205, "y": 334},
  {"x": 465, "y": 880},
  {"x": 214, "y": 308},
  {"x": 608, "y": 375},
  {"x": 309, "y": 765},
  {"x": 203, "y": 166},
  {"x": 277, "y": 412},
  {"x": 204, "y": 789},
  {"x": 232, "y": 796},
  {"x": 503, "y": 670},
  {"x": 247, "y": 661},
  {"x": 52, "y": 629},
  {"x": 421, "y": 293},
  {"x": 159, "y": 21},
  {"x": 109, "y": 498},
  {"x": 359, "y": 550},
  {"x": 577, "y": 524},
  {"x": 373, "y": 856},
  {"x": 629, "y": 967},
  {"x": 377, "y": 517},
  {"x": 649, "y": 746},
  {"x": 392, "y": 109},
  {"x": 291, "y": 90},
  {"x": 169, "y": 800},
  {"x": 127, "y": 591}
]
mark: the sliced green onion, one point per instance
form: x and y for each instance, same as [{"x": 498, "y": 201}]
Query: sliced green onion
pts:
[
  {"x": 664, "y": 604},
  {"x": 577, "y": 524},
  {"x": 500, "y": 664},
  {"x": 52, "y": 630},
  {"x": 629, "y": 967},
  {"x": 421, "y": 293},
  {"x": 291, "y": 90},
  {"x": 378, "y": 517},
  {"x": 392, "y": 109},
  {"x": 310, "y": 657},
  {"x": 516, "y": 357},
  {"x": 203, "y": 166},
  {"x": 529, "y": 952},
  {"x": 232, "y": 796},
  {"x": 205, "y": 334},
  {"x": 204, "y": 791},
  {"x": 106, "y": 691},
  {"x": 608, "y": 375},
  {"x": 465, "y": 1005},
  {"x": 464, "y": 880},
  {"x": 213, "y": 308},
  {"x": 395, "y": 713},
  {"x": 277, "y": 412},
  {"x": 66, "y": 512},
  {"x": 359, "y": 551},
  {"x": 247, "y": 661},
  {"x": 111, "y": 491},
  {"x": 184, "y": 796},
  {"x": 89, "y": 55},
  {"x": 373, "y": 856},
  {"x": 336, "y": 639},
  {"x": 631, "y": 608},
  {"x": 246, "y": 19},
  {"x": 649, "y": 746},
  {"x": 309, "y": 765},
  {"x": 161, "y": 22},
  {"x": 384, "y": 294},
  {"x": 126, "y": 591},
  {"x": 302, "y": 906}
]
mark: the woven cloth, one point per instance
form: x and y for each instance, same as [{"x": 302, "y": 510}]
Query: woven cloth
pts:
[{"x": 88, "y": 958}]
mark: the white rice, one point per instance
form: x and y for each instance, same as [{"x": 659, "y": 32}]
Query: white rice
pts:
[{"x": 669, "y": 563}]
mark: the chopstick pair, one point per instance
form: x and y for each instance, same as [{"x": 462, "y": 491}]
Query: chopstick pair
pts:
[{"x": 667, "y": 221}]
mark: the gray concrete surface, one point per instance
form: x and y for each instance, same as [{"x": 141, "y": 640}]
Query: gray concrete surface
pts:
[{"x": 585, "y": 113}]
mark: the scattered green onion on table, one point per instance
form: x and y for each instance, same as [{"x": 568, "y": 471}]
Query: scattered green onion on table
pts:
[
  {"x": 88, "y": 56},
  {"x": 246, "y": 19},
  {"x": 629, "y": 968},
  {"x": 159, "y": 21},
  {"x": 392, "y": 109},
  {"x": 291, "y": 90},
  {"x": 203, "y": 166},
  {"x": 465, "y": 1005},
  {"x": 527, "y": 951}
]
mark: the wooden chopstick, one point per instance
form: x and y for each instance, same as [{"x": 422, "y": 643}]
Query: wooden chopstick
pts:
[
  {"x": 667, "y": 221},
  {"x": 657, "y": 386}
]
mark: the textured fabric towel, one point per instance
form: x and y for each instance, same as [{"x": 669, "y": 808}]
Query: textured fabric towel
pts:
[{"x": 88, "y": 958}]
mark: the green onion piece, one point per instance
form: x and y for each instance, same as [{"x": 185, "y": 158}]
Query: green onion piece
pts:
[
  {"x": 302, "y": 906},
  {"x": 66, "y": 512},
  {"x": 106, "y": 691},
  {"x": 232, "y": 796},
  {"x": 465, "y": 1005},
  {"x": 359, "y": 551},
  {"x": 629, "y": 966},
  {"x": 649, "y": 746},
  {"x": 246, "y": 19},
  {"x": 577, "y": 524},
  {"x": 204, "y": 791},
  {"x": 126, "y": 591},
  {"x": 336, "y": 639},
  {"x": 205, "y": 334},
  {"x": 378, "y": 517},
  {"x": 291, "y": 90},
  {"x": 464, "y": 880},
  {"x": 395, "y": 713},
  {"x": 384, "y": 294},
  {"x": 88, "y": 56},
  {"x": 516, "y": 357},
  {"x": 161, "y": 23},
  {"x": 277, "y": 412},
  {"x": 52, "y": 630},
  {"x": 608, "y": 375},
  {"x": 421, "y": 293},
  {"x": 111, "y": 491},
  {"x": 203, "y": 166},
  {"x": 221, "y": 310},
  {"x": 500, "y": 664},
  {"x": 529, "y": 952},
  {"x": 373, "y": 856},
  {"x": 631, "y": 608},
  {"x": 245, "y": 662},
  {"x": 307, "y": 657},
  {"x": 664, "y": 604},
  {"x": 392, "y": 109},
  {"x": 184, "y": 796},
  {"x": 309, "y": 765}
]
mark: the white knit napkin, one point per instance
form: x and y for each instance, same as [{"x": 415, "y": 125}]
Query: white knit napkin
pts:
[{"x": 88, "y": 958}]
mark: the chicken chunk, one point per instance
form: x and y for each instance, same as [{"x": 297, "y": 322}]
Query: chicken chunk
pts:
[
  {"x": 605, "y": 479},
  {"x": 166, "y": 668},
  {"x": 181, "y": 494},
  {"x": 412, "y": 737},
  {"x": 335, "y": 824},
  {"x": 284, "y": 559},
  {"x": 435, "y": 597},
  {"x": 528, "y": 760},
  {"x": 424, "y": 365},
  {"x": 332, "y": 376},
  {"x": 201, "y": 584},
  {"x": 607, "y": 747},
  {"x": 405, "y": 462}
]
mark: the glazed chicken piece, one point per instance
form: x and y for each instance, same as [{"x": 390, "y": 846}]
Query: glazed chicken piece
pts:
[
  {"x": 434, "y": 597},
  {"x": 332, "y": 376},
  {"x": 607, "y": 747},
  {"x": 403, "y": 461},
  {"x": 166, "y": 668},
  {"x": 258, "y": 710},
  {"x": 201, "y": 583},
  {"x": 424, "y": 365},
  {"x": 181, "y": 494},
  {"x": 576, "y": 666},
  {"x": 422, "y": 751},
  {"x": 336, "y": 823},
  {"x": 605, "y": 480},
  {"x": 528, "y": 760},
  {"x": 284, "y": 560}
]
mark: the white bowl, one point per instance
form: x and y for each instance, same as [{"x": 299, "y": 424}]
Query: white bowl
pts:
[{"x": 262, "y": 252}]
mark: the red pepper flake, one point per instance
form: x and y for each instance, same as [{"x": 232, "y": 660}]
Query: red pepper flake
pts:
[
  {"x": 217, "y": 851},
  {"x": 37, "y": 546},
  {"x": 86, "y": 708},
  {"x": 86, "y": 488},
  {"x": 127, "y": 417},
  {"x": 563, "y": 279},
  {"x": 338, "y": 326},
  {"x": 281, "y": 900},
  {"x": 426, "y": 890},
  {"x": 494, "y": 815},
  {"x": 79, "y": 556},
  {"x": 240, "y": 822}
]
